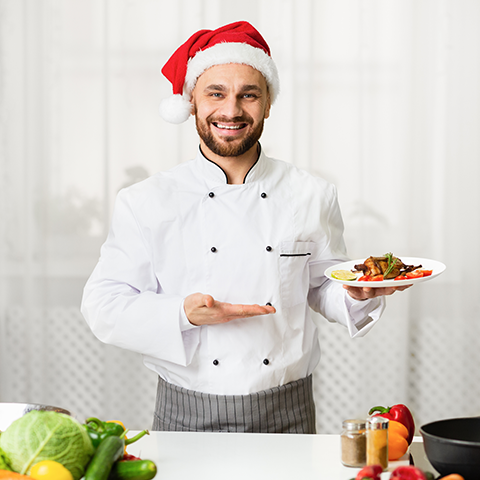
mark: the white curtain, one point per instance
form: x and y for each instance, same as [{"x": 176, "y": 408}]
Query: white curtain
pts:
[{"x": 380, "y": 97}]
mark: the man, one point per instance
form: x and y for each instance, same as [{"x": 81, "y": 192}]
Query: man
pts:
[{"x": 210, "y": 269}]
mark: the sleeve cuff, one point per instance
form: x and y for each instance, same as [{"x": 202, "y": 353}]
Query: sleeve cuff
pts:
[
  {"x": 185, "y": 324},
  {"x": 363, "y": 314}
]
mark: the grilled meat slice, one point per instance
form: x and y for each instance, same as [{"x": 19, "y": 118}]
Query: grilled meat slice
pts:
[
  {"x": 374, "y": 266},
  {"x": 379, "y": 265},
  {"x": 395, "y": 271},
  {"x": 369, "y": 267}
]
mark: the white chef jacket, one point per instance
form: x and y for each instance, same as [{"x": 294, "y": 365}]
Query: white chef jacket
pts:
[{"x": 268, "y": 240}]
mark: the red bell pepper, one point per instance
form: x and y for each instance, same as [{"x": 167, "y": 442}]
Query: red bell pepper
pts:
[
  {"x": 408, "y": 472},
  {"x": 371, "y": 472},
  {"x": 399, "y": 413}
]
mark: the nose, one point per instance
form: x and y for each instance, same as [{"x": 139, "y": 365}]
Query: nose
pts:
[{"x": 231, "y": 107}]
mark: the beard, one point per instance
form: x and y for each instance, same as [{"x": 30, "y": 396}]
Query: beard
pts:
[{"x": 229, "y": 146}]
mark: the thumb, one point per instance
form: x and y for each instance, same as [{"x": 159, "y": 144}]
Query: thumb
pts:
[{"x": 208, "y": 301}]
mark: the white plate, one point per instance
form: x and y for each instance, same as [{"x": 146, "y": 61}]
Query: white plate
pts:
[{"x": 436, "y": 267}]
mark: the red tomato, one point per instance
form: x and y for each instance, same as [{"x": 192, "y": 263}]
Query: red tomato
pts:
[
  {"x": 400, "y": 277},
  {"x": 414, "y": 274},
  {"x": 370, "y": 472},
  {"x": 377, "y": 278},
  {"x": 365, "y": 278},
  {"x": 426, "y": 273}
]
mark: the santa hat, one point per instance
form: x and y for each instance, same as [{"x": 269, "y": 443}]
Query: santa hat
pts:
[{"x": 237, "y": 42}]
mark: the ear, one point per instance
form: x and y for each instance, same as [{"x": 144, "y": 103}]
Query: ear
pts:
[
  {"x": 267, "y": 107},
  {"x": 193, "y": 108}
]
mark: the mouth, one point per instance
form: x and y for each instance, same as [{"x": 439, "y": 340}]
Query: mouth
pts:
[{"x": 229, "y": 127}]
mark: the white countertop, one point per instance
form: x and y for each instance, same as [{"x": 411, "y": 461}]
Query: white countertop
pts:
[{"x": 231, "y": 456}]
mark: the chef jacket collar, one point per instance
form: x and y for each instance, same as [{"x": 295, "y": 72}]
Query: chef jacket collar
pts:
[{"x": 215, "y": 175}]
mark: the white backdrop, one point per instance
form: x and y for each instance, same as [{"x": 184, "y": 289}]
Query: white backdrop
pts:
[{"x": 380, "y": 97}]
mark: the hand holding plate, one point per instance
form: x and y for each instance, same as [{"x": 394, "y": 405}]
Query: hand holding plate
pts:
[{"x": 365, "y": 293}]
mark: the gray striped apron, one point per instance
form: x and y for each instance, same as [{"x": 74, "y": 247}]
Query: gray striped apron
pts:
[{"x": 286, "y": 409}]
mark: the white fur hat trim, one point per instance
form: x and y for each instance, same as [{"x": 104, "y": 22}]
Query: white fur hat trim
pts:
[
  {"x": 223, "y": 53},
  {"x": 177, "y": 108}
]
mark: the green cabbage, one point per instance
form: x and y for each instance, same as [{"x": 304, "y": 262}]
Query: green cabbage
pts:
[
  {"x": 45, "y": 435},
  {"x": 4, "y": 462}
]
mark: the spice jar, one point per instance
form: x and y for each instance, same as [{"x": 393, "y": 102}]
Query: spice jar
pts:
[
  {"x": 353, "y": 443},
  {"x": 377, "y": 441}
]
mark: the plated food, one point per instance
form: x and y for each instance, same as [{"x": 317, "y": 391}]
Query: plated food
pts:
[{"x": 387, "y": 270}]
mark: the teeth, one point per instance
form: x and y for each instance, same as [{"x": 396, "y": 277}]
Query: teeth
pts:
[{"x": 228, "y": 127}]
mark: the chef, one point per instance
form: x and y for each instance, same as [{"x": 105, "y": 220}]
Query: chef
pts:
[{"x": 210, "y": 269}]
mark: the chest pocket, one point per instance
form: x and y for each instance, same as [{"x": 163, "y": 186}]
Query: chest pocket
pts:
[{"x": 293, "y": 268}]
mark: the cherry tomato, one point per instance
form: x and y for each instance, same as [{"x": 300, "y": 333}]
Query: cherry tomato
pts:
[{"x": 377, "y": 278}]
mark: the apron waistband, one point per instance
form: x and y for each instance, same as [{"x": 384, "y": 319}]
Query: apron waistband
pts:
[{"x": 289, "y": 408}]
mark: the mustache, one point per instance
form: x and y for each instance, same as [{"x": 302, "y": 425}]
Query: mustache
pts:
[{"x": 240, "y": 119}]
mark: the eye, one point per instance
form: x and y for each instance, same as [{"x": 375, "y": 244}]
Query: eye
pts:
[{"x": 216, "y": 95}]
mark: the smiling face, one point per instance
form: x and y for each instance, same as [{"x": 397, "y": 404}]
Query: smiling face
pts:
[{"x": 230, "y": 104}]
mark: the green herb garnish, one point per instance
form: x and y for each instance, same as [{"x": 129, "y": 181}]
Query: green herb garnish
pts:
[{"x": 391, "y": 263}]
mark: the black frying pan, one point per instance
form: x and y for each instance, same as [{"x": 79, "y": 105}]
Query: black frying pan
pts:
[{"x": 453, "y": 446}]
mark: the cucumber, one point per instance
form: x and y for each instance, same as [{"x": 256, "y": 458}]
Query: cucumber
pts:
[
  {"x": 133, "y": 470},
  {"x": 107, "y": 453}
]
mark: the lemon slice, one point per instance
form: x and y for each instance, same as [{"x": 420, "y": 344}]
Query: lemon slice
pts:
[{"x": 344, "y": 275}]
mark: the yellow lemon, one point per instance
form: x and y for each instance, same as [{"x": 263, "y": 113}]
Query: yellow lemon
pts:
[
  {"x": 344, "y": 275},
  {"x": 50, "y": 470}
]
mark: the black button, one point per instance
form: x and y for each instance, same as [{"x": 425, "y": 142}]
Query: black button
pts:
[
  {"x": 266, "y": 361},
  {"x": 263, "y": 195},
  {"x": 269, "y": 304},
  {"x": 215, "y": 362},
  {"x": 213, "y": 249},
  {"x": 211, "y": 194},
  {"x": 269, "y": 248}
]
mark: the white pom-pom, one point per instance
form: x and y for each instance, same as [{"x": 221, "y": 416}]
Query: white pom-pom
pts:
[{"x": 175, "y": 109}]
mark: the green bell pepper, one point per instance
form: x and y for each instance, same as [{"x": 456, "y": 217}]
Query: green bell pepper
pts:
[{"x": 98, "y": 431}]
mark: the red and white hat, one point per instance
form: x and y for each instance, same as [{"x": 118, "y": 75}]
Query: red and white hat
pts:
[{"x": 237, "y": 42}]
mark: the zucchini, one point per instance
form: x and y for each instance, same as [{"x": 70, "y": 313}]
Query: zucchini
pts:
[
  {"x": 133, "y": 470},
  {"x": 107, "y": 453}
]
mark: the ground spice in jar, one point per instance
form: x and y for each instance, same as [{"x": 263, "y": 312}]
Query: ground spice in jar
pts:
[
  {"x": 353, "y": 443},
  {"x": 377, "y": 441}
]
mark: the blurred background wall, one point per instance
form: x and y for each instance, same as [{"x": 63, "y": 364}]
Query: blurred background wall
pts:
[{"x": 380, "y": 97}]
